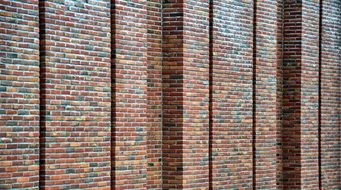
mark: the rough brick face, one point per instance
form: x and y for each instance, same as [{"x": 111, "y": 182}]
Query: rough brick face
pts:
[
  {"x": 301, "y": 95},
  {"x": 130, "y": 94},
  {"x": 232, "y": 94},
  {"x": 19, "y": 94},
  {"x": 266, "y": 125},
  {"x": 154, "y": 92},
  {"x": 75, "y": 84},
  {"x": 330, "y": 91},
  {"x": 170, "y": 94}
]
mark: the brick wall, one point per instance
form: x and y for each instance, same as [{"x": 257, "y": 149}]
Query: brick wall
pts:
[
  {"x": 170, "y": 94},
  {"x": 19, "y": 94},
  {"x": 232, "y": 91},
  {"x": 330, "y": 94},
  {"x": 75, "y": 94}
]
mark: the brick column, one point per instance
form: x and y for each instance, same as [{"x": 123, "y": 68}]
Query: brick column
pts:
[
  {"x": 19, "y": 94},
  {"x": 185, "y": 94},
  {"x": 232, "y": 77},
  {"x": 75, "y": 65},
  {"x": 130, "y": 94},
  {"x": 267, "y": 72},
  {"x": 330, "y": 95},
  {"x": 154, "y": 92},
  {"x": 300, "y": 94}
]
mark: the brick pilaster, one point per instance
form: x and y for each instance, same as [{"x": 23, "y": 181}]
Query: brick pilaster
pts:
[
  {"x": 154, "y": 92},
  {"x": 267, "y": 72},
  {"x": 300, "y": 94},
  {"x": 129, "y": 56},
  {"x": 330, "y": 95},
  {"x": 185, "y": 94},
  {"x": 19, "y": 94},
  {"x": 232, "y": 76},
  {"x": 75, "y": 66}
]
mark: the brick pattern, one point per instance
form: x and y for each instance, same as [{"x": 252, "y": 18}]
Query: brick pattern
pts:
[
  {"x": 186, "y": 94},
  {"x": 232, "y": 94},
  {"x": 172, "y": 94},
  {"x": 330, "y": 95},
  {"x": 267, "y": 54},
  {"x": 154, "y": 92},
  {"x": 168, "y": 94},
  {"x": 291, "y": 94},
  {"x": 300, "y": 99},
  {"x": 19, "y": 94},
  {"x": 279, "y": 79},
  {"x": 309, "y": 95},
  {"x": 130, "y": 99},
  {"x": 196, "y": 94},
  {"x": 75, "y": 66}
]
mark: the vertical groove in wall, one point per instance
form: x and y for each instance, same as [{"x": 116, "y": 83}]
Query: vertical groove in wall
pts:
[
  {"x": 161, "y": 177},
  {"x": 280, "y": 43},
  {"x": 210, "y": 91},
  {"x": 172, "y": 88},
  {"x": 42, "y": 105},
  {"x": 254, "y": 95},
  {"x": 112, "y": 76},
  {"x": 319, "y": 96}
]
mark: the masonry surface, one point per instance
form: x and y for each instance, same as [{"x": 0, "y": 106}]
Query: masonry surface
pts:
[{"x": 170, "y": 94}]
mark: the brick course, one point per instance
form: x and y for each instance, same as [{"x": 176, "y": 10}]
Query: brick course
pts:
[
  {"x": 170, "y": 94},
  {"x": 232, "y": 94},
  {"x": 75, "y": 90},
  {"x": 19, "y": 94}
]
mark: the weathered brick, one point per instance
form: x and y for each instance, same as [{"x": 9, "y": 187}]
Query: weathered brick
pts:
[
  {"x": 185, "y": 94},
  {"x": 19, "y": 94},
  {"x": 232, "y": 94},
  {"x": 330, "y": 95},
  {"x": 170, "y": 94},
  {"x": 300, "y": 94},
  {"x": 129, "y": 56},
  {"x": 267, "y": 125},
  {"x": 154, "y": 92},
  {"x": 75, "y": 66}
]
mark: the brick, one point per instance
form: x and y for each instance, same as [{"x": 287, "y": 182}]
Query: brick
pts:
[
  {"x": 130, "y": 94},
  {"x": 185, "y": 94},
  {"x": 76, "y": 93},
  {"x": 170, "y": 94},
  {"x": 19, "y": 94},
  {"x": 154, "y": 93},
  {"x": 267, "y": 122},
  {"x": 232, "y": 94},
  {"x": 300, "y": 94},
  {"x": 330, "y": 95}
]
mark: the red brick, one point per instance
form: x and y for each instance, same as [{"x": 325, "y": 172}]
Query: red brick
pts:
[
  {"x": 19, "y": 94},
  {"x": 232, "y": 94},
  {"x": 76, "y": 80},
  {"x": 330, "y": 95}
]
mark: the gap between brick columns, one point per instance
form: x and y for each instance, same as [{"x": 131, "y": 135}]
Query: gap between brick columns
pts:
[
  {"x": 254, "y": 94},
  {"x": 42, "y": 87},
  {"x": 210, "y": 94},
  {"x": 319, "y": 95},
  {"x": 113, "y": 87}
]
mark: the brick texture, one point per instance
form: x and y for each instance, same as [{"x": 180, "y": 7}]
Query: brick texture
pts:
[
  {"x": 266, "y": 125},
  {"x": 19, "y": 94},
  {"x": 300, "y": 99},
  {"x": 75, "y": 77},
  {"x": 170, "y": 94},
  {"x": 186, "y": 87},
  {"x": 330, "y": 95},
  {"x": 154, "y": 92},
  {"x": 130, "y": 94},
  {"x": 232, "y": 94}
]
